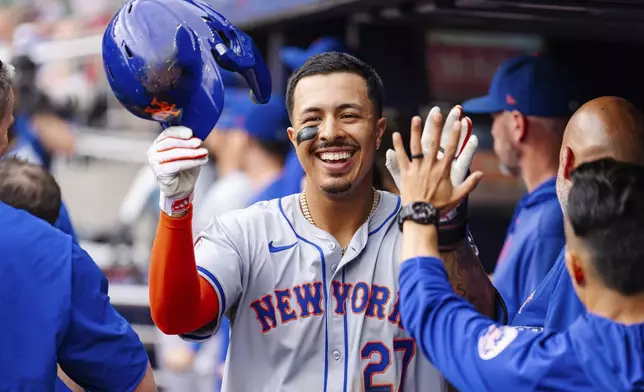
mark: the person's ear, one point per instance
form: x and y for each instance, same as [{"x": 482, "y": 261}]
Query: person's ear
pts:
[
  {"x": 575, "y": 268},
  {"x": 380, "y": 129},
  {"x": 567, "y": 162},
  {"x": 518, "y": 127},
  {"x": 291, "y": 135}
]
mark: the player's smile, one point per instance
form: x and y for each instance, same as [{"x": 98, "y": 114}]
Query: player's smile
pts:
[{"x": 336, "y": 160}]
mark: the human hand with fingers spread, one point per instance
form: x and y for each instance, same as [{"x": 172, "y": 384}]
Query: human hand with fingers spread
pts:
[
  {"x": 453, "y": 222},
  {"x": 427, "y": 189},
  {"x": 467, "y": 145},
  {"x": 426, "y": 178}
]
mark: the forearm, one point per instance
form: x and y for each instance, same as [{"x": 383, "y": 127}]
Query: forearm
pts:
[
  {"x": 444, "y": 325},
  {"x": 468, "y": 278},
  {"x": 464, "y": 270},
  {"x": 180, "y": 300}
]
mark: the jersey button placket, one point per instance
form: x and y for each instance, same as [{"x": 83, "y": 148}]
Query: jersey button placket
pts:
[{"x": 336, "y": 355}]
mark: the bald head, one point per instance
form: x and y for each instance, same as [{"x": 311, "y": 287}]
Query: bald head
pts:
[{"x": 606, "y": 127}]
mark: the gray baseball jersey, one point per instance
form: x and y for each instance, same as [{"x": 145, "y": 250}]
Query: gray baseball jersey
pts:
[{"x": 304, "y": 317}]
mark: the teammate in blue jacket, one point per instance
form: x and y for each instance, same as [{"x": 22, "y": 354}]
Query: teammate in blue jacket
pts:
[
  {"x": 54, "y": 306},
  {"x": 603, "y": 350},
  {"x": 603, "y": 127},
  {"x": 530, "y": 100}
]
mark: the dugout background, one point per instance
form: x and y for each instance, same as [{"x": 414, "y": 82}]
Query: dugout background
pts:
[{"x": 442, "y": 52}]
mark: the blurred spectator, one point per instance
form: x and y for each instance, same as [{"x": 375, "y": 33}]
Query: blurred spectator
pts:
[
  {"x": 35, "y": 257},
  {"x": 39, "y": 130},
  {"x": 29, "y": 187},
  {"x": 23, "y": 143},
  {"x": 530, "y": 99},
  {"x": 232, "y": 189},
  {"x": 294, "y": 57},
  {"x": 265, "y": 146}
]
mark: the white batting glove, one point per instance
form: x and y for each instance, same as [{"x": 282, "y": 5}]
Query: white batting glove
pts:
[
  {"x": 176, "y": 159},
  {"x": 466, "y": 147},
  {"x": 453, "y": 224}
]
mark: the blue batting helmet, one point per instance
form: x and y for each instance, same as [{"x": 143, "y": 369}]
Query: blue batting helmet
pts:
[{"x": 162, "y": 59}]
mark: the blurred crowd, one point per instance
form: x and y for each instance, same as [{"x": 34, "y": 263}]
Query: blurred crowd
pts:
[{"x": 53, "y": 97}]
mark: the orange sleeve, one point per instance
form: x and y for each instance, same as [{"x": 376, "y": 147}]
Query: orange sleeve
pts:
[{"x": 181, "y": 301}]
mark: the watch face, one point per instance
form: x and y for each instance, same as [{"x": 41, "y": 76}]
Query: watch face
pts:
[
  {"x": 422, "y": 207},
  {"x": 419, "y": 212},
  {"x": 424, "y": 213}
]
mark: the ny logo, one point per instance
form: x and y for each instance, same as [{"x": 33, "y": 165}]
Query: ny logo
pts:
[{"x": 163, "y": 111}]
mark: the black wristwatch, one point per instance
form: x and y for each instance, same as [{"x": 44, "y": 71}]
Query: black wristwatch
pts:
[{"x": 419, "y": 212}]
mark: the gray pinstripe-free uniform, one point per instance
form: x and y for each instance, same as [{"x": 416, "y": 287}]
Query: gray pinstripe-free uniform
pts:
[{"x": 304, "y": 317}]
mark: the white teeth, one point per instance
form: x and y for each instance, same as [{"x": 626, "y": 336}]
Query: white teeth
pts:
[{"x": 335, "y": 156}]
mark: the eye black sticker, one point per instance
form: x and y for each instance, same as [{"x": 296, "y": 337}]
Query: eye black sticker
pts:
[{"x": 305, "y": 134}]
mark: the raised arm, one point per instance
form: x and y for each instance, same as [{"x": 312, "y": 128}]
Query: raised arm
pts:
[
  {"x": 449, "y": 331},
  {"x": 465, "y": 272},
  {"x": 189, "y": 281},
  {"x": 469, "y": 280},
  {"x": 181, "y": 301}
]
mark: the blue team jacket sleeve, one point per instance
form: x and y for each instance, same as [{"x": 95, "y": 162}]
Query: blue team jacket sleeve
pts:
[
  {"x": 470, "y": 350},
  {"x": 100, "y": 351}
]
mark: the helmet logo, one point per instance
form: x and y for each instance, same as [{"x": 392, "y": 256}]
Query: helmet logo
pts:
[{"x": 163, "y": 111}]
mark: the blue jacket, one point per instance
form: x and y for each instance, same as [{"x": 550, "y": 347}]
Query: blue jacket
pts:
[
  {"x": 554, "y": 305},
  {"x": 64, "y": 223},
  {"x": 54, "y": 308},
  {"x": 476, "y": 354},
  {"x": 533, "y": 242}
]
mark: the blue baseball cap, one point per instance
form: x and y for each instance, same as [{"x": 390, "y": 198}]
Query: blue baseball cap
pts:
[
  {"x": 533, "y": 85},
  {"x": 236, "y": 105},
  {"x": 268, "y": 122},
  {"x": 295, "y": 57}
]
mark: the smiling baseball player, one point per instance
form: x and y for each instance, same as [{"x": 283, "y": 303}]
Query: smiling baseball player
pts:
[{"x": 308, "y": 281}]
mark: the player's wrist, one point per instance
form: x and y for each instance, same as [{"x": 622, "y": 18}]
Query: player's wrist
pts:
[
  {"x": 176, "y": 206},
  {"x": 419, "y": 240},
  {"x": 453, "y": 228}
]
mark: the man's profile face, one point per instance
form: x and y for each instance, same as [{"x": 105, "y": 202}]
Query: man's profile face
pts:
[
  {"x": 349, "y": 130},
  {"x": 5, "y": 123},
  {"x": 507, "y": 153}
]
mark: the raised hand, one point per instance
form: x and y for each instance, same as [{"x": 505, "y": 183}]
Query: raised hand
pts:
[
  {"x": 427, "y": 176},
  {"x": 465, "y": 151},
  {"x": 176, "y": 158}
]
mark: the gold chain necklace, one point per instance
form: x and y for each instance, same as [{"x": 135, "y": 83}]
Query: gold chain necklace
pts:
[{"x": 304, "y": 205}]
